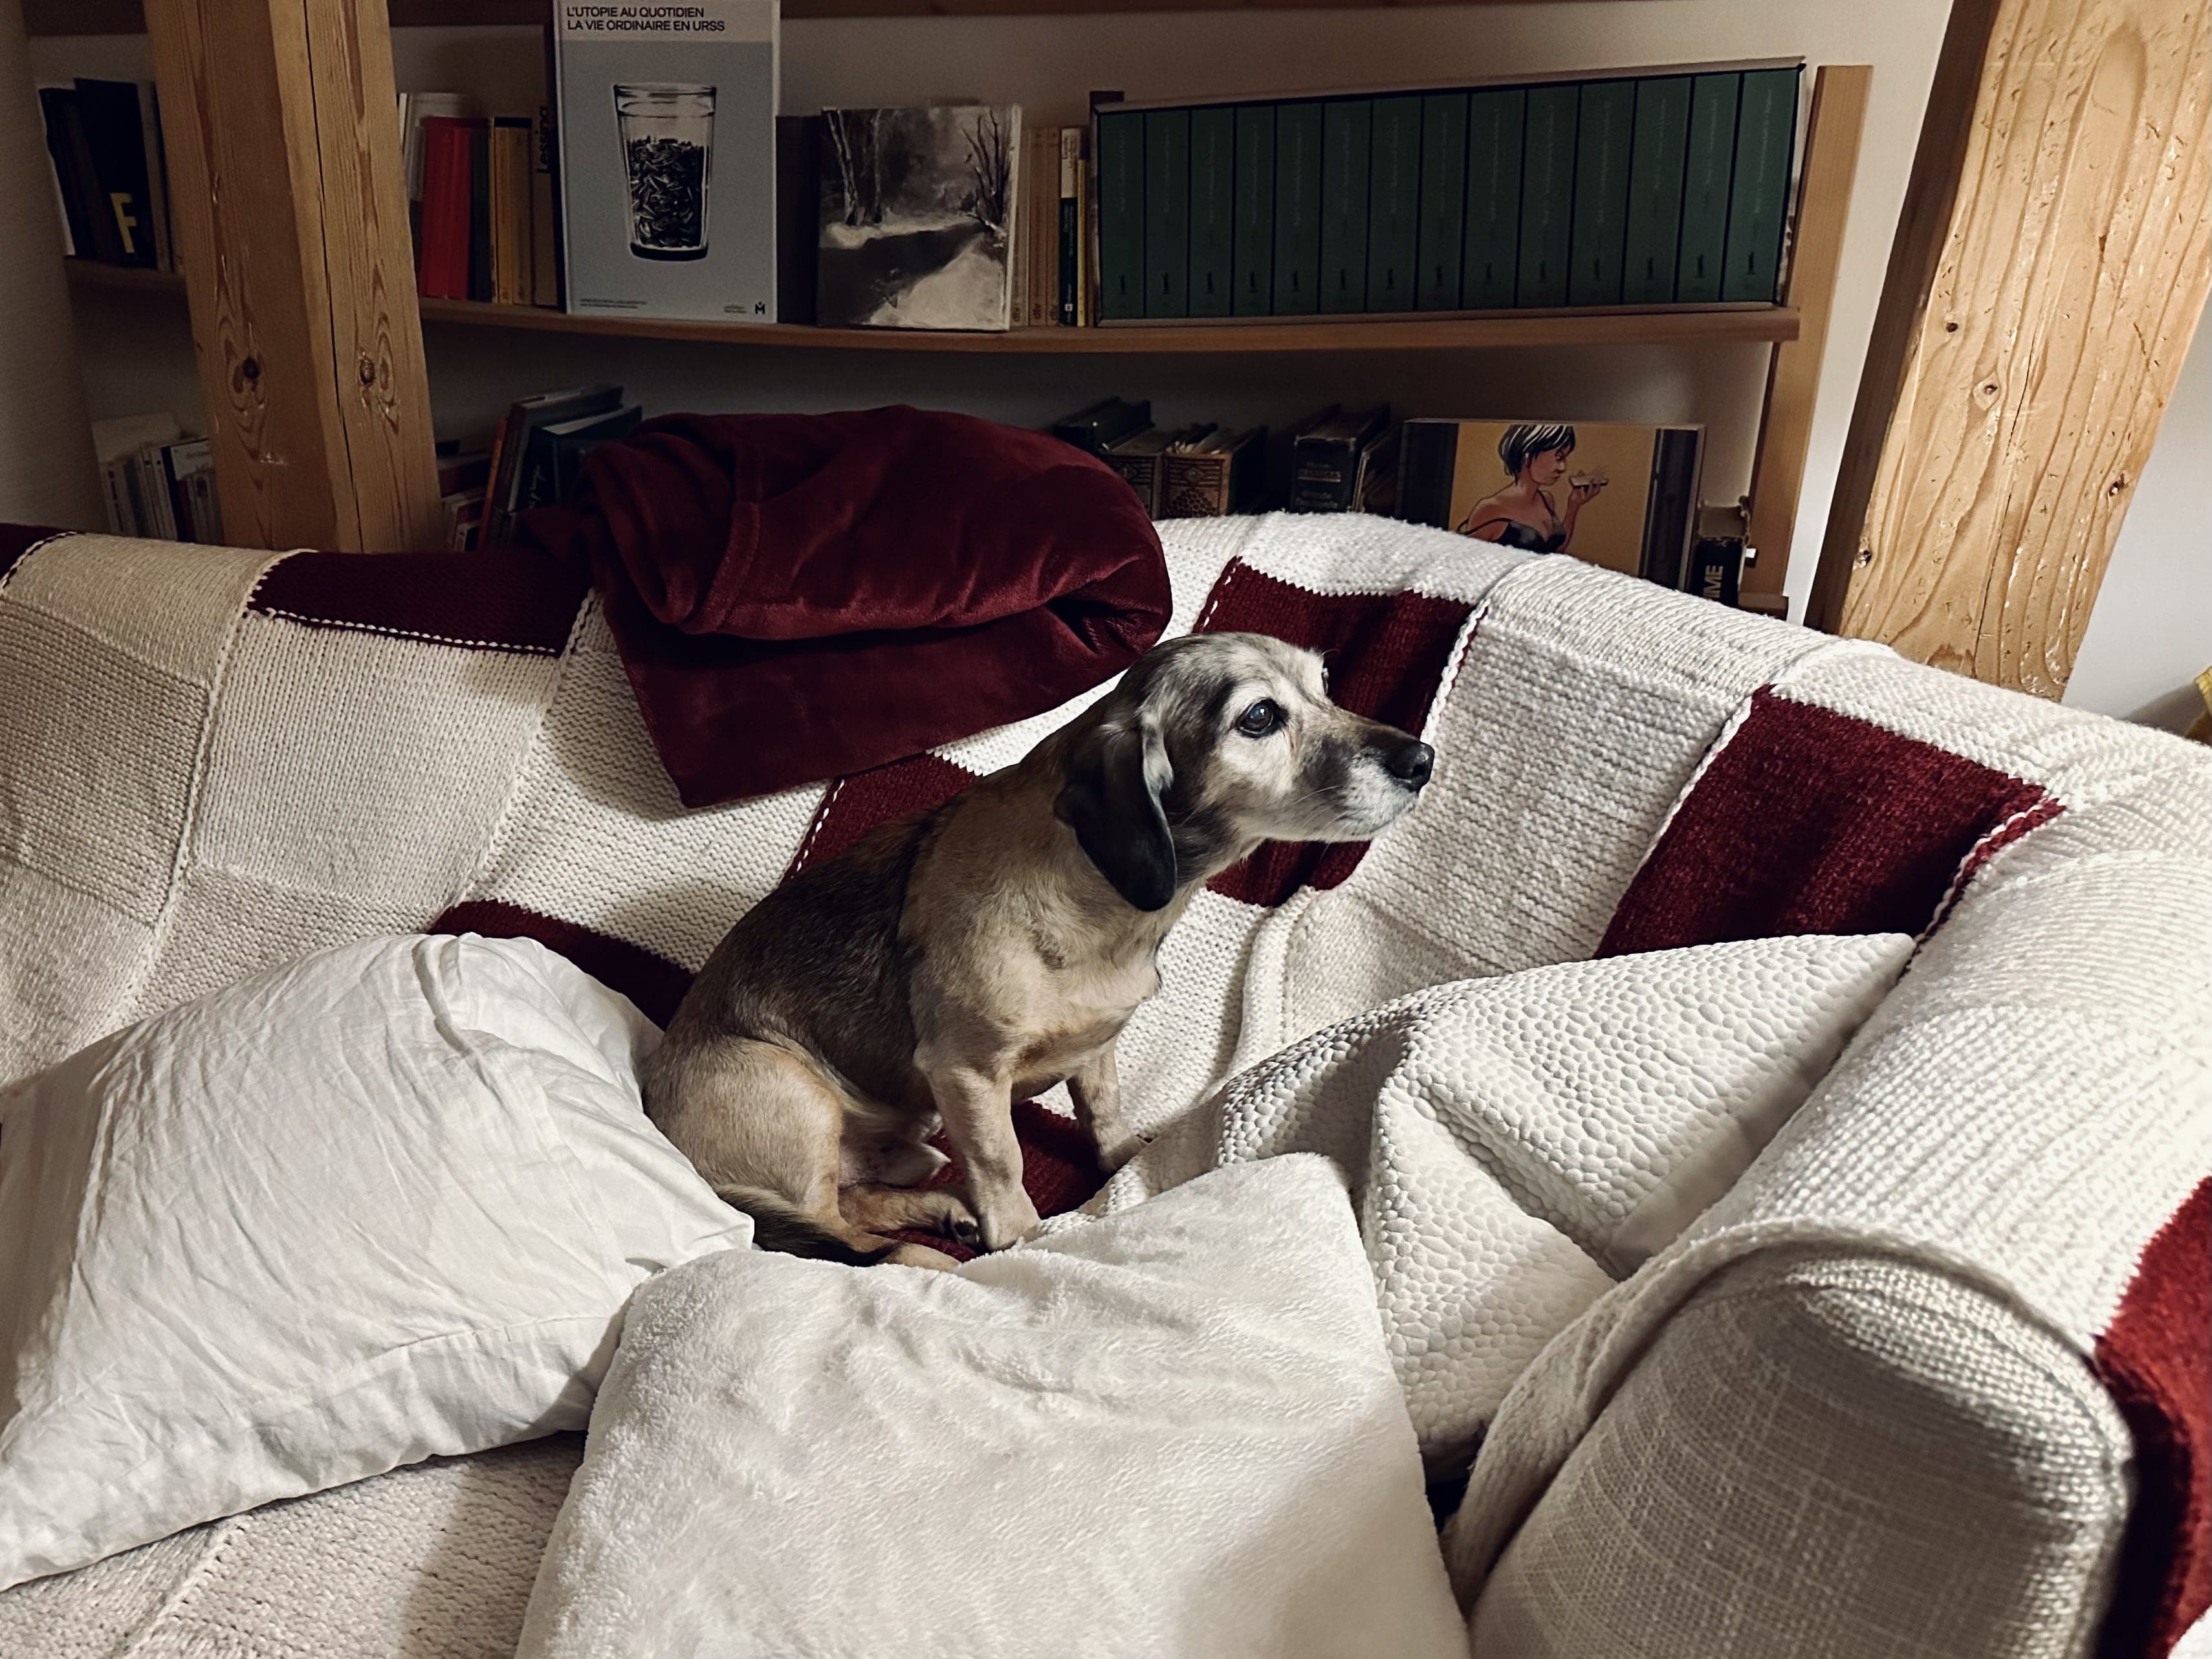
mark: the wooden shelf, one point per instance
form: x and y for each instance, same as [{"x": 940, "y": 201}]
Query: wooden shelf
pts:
[
  {"x": 127, "y": 16},
  {"x": 1496, "y": 330}
]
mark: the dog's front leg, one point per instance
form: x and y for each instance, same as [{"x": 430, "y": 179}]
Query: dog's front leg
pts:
[
  {"x": 978, "y": 1113},
  {"x": 1096, "y": 1089}
]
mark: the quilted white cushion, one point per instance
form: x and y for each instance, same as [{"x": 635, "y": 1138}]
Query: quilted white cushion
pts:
[
  {"x": 386, "y": 1202},
  {"x": 1516, "y": 1143}
]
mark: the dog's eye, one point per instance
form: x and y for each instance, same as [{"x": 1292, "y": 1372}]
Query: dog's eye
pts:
[{"x": 1262, "y": 718}]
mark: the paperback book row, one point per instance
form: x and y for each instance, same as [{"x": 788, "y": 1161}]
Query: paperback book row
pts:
[
  {"x": 1639, "y": 189},
  {"x": 155, "y": 480},
  {"x": 1615, "y": 494}
]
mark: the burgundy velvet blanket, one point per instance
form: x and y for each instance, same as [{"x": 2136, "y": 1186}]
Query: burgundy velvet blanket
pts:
[{"x": 798, "y": 597}]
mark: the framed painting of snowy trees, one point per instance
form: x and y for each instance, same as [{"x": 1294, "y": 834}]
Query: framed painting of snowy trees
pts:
[{"x": 917, "y": 217}]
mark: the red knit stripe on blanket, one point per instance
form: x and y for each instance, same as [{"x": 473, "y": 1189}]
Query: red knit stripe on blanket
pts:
[
  {"x": 17, "y": 540},
  {"x": 655, "y": 984},
  {"x": 1387, "y": 654},
  {"x": 2155, "y": 1360},
  {"x": 499, "y": 599},
  {"x": 1808, "y": 821},
  {"x": 856, "y": 805}
]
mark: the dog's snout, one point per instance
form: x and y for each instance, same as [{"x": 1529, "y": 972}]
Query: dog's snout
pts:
[{"x": 1410, "y": 763}]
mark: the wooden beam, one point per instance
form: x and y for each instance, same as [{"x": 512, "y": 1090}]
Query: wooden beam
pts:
[
  {"x": 282, "y": 127},
  {"x": 1832, "y": 130},
  {"x": 2048, "y": 272}
]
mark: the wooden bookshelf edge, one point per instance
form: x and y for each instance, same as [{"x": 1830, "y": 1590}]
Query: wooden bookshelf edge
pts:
[{"x": 1762, "y": 324}]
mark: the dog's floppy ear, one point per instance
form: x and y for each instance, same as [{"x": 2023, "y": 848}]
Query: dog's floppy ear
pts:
[{"x": 1112, "y": 801}]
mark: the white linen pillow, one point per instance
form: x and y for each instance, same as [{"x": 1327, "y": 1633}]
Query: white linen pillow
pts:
[
  {"x": 1173, "y": 1432},
  {"x": 1517, "y": 1144},
  {"x": 381, "y": 1204}
]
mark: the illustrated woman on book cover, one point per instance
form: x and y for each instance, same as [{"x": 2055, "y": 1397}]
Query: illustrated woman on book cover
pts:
[{"x": 1526, "y": 512}]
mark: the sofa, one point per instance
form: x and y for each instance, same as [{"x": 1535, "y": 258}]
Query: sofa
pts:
[{"x": 1926, "y": 1382}]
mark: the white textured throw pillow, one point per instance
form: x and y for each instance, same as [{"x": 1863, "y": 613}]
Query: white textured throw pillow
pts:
[
  {"x": 384, "y": 1203},
  {"x": 1515, "y": 1145},
  {"x": 1172, "y": 1433}
]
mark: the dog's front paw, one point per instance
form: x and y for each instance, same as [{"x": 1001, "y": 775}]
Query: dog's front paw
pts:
[
  {"x": 1113, "y": 1153},
  {"x": 1010, "y": 1220}
]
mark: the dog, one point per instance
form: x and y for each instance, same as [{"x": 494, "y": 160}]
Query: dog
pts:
[{"x": 951, "y": 962}]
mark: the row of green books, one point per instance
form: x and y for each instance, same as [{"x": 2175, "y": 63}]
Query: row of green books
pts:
[{"x": 1644, "y": 189}]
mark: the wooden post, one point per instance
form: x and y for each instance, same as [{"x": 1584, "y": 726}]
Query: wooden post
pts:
[
  {"x": 1832, "y": 130},
  {"x": 2048, "y": 271},
  {"x": 290, "y": 219}
]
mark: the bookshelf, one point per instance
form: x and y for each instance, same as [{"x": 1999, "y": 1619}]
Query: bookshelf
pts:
[{"x": 1618, "y": 325}]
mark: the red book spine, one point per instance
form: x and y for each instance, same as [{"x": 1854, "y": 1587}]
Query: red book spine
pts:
[{"x": 443, "y": 272}]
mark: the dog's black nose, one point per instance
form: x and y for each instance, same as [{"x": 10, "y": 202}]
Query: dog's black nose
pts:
[{"x": 1411, "y": 763}]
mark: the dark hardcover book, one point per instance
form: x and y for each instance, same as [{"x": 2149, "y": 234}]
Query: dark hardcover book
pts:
[
  {"x": 1098, "y": 427},
  {"x": 1547, "y": 189},
  {"x": 1716, "y": 571},
  {"x": 1120, "y": 148},
  {"x": 1428, "y": 456},
  {"x": 1333, "y": 457},
  {"x": 1213, "y": 210},
  {"x": 1346, "y": 144},
  {"x": 1394, "y": 195},
  {"x": 1655, "y": 190},
  {"x": 553, "y": 454},
  {"x": 1758, "y": 195},
  {"x": 1491, "y": 261},
  {"x": 1706, "y": 187},
  {"x": 1167, "y": 213},
  {"x": 1298, "y": 207},
  {"x": 1444, "y": 200},
  {"x": 512, "y": 447},
  {"x": 1214, "y": 475},
  {"x": 480, "y": 213},
  {"x": 157, "y": 178},
  {"x": 1137, "y": 459},
  {"x": 1670, "y": 519},
  {"x": 92, "y": 228},
  {"x": 1604, "y": 125},
  {"x": 115, "y": 136},
  {"x": 1253, "y": 252},
  {"x": 798, "y": 215},
  {"x": 442, "y": 270}
]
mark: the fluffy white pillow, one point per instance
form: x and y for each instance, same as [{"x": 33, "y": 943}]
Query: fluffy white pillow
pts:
[
  {"x": 383, "y": 1203},
  {"x": 1517, "y": 1144},
  {"x": 1175, "y": 1432}
]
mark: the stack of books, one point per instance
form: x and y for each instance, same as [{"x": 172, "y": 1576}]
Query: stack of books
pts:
[
  {"x": 537, "y": 456},
  {"x": 480, "y": 198},
  {"x": 1642, "y": 188},
  {"x": 155, "y": 480}
]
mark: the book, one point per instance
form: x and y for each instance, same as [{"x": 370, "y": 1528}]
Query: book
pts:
[
  {"x": 1711, "y": 158},
  {"x": 1214, "y": 474},
  {"x": 1491, "y": 260},
  {"x": 1346, "y": 140},
  {"x": 1335, "y": 457},
  {"x": 544, "y": 220},
  {"x": 510, "y": 446},
  {"x": 1298, "y": 208},
  {"x": 417, "y": 111},
  {"x": 1393, "y": 194},
  {"x": 916, "y": 212},
  {"x": 797, "y": 231},
  {"x": 1086, "y": 232},
  {"x": 1613, "y": 494},
  {"x": 1656, "y": 157},
  {"x": 480, "y": 211},
  {"x": 1443, "y": 211},
  {"x": 1716, "y": 569},
  {"x": 188, "y": 469},
  {"x": 115, "y": 138},
  {"x": 1213, "y": 210},
  {"x": 1096, "y": 429},
  {"x": 1758, "y": 192},
  {"x": 118, "y": 444},
  {"x": 1167, "y": 213},
  {"x": 1605, "y": 123},
  {"x": 553, "y": 455},
  {"x": 509, "y": 168},
  {"x": 157, "y": 174},
  {"x": 1547, "y": 184},
  {"x": 666, "y": 119},
  {"x": 1252, "y": 251},
  {"x": 92, "y": 227},
  {"x": 442, "y": 270},
  {"x": 1040, "y": 222},
  {"x": 1137, "y": 459},
  {"x": 1121, "y": 146},
  {"x": 1067, "y": 251}
]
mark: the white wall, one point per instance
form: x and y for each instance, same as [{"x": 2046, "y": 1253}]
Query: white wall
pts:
[
  {"x": 2150, "y": 635},
  {"x": 137, "y": 356}
]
